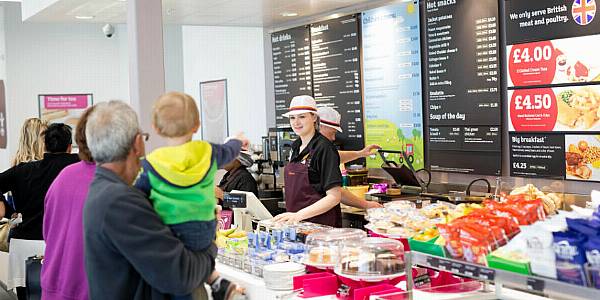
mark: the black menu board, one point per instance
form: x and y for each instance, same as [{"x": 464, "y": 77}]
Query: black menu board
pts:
[
  {"x": 462, "y": 94},
  {"x": 335, "y": 55},
  {"x": 553, "y": 88},
  {"x": 291, "y": 68}
]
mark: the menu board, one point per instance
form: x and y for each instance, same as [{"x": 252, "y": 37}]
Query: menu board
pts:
[
  {"x": 392, "y": 81},
  {"x": 336, "y": 75},
  {"x": 291, "y": 68},
  {"x": 554, "y": 88},
  {"x": 463, "y": 99}
]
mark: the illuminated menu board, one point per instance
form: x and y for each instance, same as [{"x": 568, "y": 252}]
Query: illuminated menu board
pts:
[
  {"x": 392, "y": 81},
  {"x": 291, "y": 68},
  {"x": 336, "y": 75},
  {"x": 554, "y": 92},
  {"x": 462, "y": 96}
]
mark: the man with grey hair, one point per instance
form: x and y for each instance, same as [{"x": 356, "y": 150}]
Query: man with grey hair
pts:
[{"x": 129, "y": 252}]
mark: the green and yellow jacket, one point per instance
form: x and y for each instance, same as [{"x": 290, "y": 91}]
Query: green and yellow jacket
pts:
[{"x": 179, "y": 180}]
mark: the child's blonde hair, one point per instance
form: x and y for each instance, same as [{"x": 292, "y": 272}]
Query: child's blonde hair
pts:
[
  {"x": 31, "y": 141},
  {"x": 175, "y": 114}
]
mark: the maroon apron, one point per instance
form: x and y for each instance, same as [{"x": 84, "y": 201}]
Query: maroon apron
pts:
[{"x": 300, "y": 194}]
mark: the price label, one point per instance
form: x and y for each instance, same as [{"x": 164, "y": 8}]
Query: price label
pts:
[
  {"x": 487, "y": 274},
  {"x": 536, "y": 284},
  {"x": 533, "y": 109},
  {"x": 532, "y": 63},
  {"x": 432, "y": 261},
  {"x": 471, "y": 271},
  {"x": 519, "y": 165}
]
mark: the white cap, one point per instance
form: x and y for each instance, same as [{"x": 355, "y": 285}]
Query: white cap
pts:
[
  {"x": 302, "y": 104},
  {"x": 330, "y": 117}
]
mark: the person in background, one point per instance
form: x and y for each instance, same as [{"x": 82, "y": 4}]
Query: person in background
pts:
[
  {"x": 31, "y": 141},
  {"x": 63, "y": 272},
  {"x": 237, "y": 177},
  {"x": 179, "y": 178},
  {"x": 330, "y": 124},
  {"x": 29, "y": 183},
  {"x": 31, "y": 147},
  {"x": 312, "y": 177},
  {"x": 129, "y": 251}
]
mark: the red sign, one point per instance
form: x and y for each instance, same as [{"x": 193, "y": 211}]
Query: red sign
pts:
[
  {"x": 65, "y": 101},
  {"x": 533, "y": 110},
  {"x": 532, "y": 63}
]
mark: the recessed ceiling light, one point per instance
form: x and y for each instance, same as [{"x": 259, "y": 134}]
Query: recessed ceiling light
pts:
[
  {"x": 289, "y": 14},
  {"x": 84, "y": 17},
  {"x": 333, "y": 16}
]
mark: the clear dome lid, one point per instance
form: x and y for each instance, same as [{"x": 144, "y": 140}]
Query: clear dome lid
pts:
[
  {"x": 323, "y": 247},
  {"x": 399, "y": 205},
  {"x": 371, "y": 259}
]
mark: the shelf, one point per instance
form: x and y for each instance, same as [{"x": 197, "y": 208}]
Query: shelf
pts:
[{"x": 535, "y": 284}]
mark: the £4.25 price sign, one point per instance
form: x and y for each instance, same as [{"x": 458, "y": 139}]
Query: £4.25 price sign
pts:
[
  {"x": 533, "y": 109},
  {"x": 532, "y": 63}
]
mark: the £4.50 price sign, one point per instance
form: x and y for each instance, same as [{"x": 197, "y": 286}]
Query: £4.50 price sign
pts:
[
  {"x": 532, "y": 63},
  {"x": 533, "y": 109}
]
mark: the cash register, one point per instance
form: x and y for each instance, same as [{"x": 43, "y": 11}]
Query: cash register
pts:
[{"x": 246, "y": 208}]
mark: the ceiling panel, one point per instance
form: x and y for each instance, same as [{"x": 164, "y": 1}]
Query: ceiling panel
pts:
[{"x": 265, "y": 13}]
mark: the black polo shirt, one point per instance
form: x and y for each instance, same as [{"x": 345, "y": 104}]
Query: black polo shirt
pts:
[
  {"x": 239, "y": 179},
  {"x": 323, "y": 161},
  {"x": 29, "y": 183}
]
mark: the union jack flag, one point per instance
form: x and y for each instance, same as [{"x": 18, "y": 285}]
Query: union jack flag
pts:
[{"x": 583, "y": 11}]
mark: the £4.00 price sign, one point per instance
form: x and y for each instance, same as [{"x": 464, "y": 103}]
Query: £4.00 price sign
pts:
[
  {"x": 532, "y": 63},
  {"x": 533, "y": 109}
]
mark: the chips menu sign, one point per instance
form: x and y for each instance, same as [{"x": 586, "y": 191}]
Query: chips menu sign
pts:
[
  {"x": 553, "y": 96},
  {"x": 462, "y": 95}
]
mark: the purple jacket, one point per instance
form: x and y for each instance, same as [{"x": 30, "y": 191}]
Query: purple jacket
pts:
[{"x": 63, "y": 271}]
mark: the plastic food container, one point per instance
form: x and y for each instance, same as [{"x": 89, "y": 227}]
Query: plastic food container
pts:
[
  {"x": 400, "y": 206},
  {"x": 358, "y": 190},
  {"x": 323, "y": 248},
  {"x": 371, "y": 259}
]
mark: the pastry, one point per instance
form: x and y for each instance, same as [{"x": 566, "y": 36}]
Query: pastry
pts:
[
  {"x": 388, "y": 264},
  {"x": 320, "y": 255}
]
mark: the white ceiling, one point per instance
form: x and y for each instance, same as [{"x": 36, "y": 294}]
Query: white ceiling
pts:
[{"x": 259, "y": 13}]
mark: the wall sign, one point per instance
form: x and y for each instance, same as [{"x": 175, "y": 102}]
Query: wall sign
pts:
[
  {"x": 335, "y": 56},
  {"x": 462, "y": 96},
  {"x": 554, "y": 95},
  {"x": 3, "y": 131},
  {"x": 291, "y": 69},
  {"x": 213, "y": 110},
  {"x": 392, "y": 80},
  {"x": 64, "y": 108}
]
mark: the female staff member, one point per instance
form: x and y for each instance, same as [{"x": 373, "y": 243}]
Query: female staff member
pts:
[{"x": 312, "y": 177}]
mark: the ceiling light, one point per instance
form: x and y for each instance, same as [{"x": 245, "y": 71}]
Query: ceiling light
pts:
[
  {"x": 84, "y": 17},
  {"x": 289, "y": 14},
  {"x": 333, "y": 16}
]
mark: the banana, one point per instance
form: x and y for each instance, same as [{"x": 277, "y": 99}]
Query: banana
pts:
[
  {"x": 226, "y": 232},
  {"x": 237, "y": 234}
]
